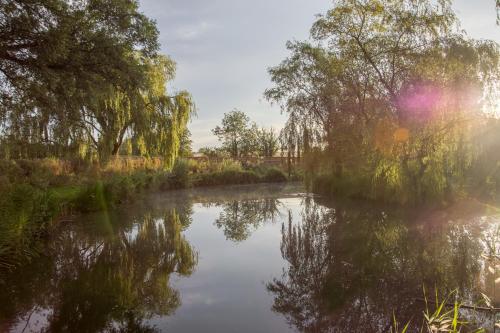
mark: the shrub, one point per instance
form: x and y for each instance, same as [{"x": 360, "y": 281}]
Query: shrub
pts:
[
  {"x": 227, "y": 177},
  {"x": 274, "y": 175},
  {"x": 180, "y": 174},
  {"x": 353, "y": 187},
  {"x": 229, "y": 165},
  {"x": 128, "y": 164},
  {"x": 90, "y": 198}
]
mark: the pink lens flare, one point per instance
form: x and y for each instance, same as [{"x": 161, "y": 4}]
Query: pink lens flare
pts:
[
  {"x": 420, "y": 101},
  {"x": 425, "y": 102}
]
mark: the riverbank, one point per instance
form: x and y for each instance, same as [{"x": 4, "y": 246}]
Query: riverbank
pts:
[
  {"x": 36, "y": 195},
  {"x": 423, "y": 194}
]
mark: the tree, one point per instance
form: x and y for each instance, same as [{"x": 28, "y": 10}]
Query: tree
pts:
[
  {"x": 89, "y": 41},
  {"x": 242, "y": 138},
  {"x": 267, "y": 141},
  {"x": 100, "y": 82},
  {"x": 185, "y": 144},
  {"x": 387, "y": 91},
  {"x": 234, "y": 132},
  {"x": 250, "y": 143},
  {"x": 213, "y": 152},
  {"x": 146, "y": 113}
]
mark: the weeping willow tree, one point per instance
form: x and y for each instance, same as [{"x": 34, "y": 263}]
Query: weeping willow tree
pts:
[
  {"x": 152, "y": 119},
  {"x": 160, "y": 131},
  {"x": 100, "y": 83},
  {"x": 396, "y": 93}
]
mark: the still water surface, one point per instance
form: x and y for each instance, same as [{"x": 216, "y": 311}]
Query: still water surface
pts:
[{"x": 265, "y": 258}]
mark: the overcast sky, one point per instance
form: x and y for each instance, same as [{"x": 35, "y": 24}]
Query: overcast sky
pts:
[{"x": 224, "y": 47}]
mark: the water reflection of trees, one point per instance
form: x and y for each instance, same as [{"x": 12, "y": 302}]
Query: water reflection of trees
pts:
[
  {"x": 239, "y": 218},
  {"x": 110, "y": 279},
  {"x": 115, "y": 275},
  {"x": 349, "y": 268}
]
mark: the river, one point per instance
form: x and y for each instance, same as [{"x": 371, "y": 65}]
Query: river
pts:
[{"x": 260, "y": 258}]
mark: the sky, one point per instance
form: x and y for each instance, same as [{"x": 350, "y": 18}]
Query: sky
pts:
[{"x": 223, "y": 49}]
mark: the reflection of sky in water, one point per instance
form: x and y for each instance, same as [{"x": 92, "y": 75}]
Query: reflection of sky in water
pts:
[
  {"x": 133, "y": 232},
  {"x": 227, "y": 289},
  {"x": 34, "y": 321}
]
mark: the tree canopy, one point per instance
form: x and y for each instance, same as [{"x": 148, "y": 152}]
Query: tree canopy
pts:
[
  {"x": 77, "y": 77},
  {"x": 242, "y": 138},
  {"x": 388, "y": 93}
]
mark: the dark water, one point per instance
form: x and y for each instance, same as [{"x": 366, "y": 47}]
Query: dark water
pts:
[{"x": 263, "y": 258}]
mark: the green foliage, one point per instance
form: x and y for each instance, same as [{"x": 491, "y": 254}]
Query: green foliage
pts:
[
  {"x": 395, "y": 328},
  {"x": 240, "y": 138},
  {"x": 231, "y": 172},
  {"x": 36, "y": 194},
  {"x": 185, "y": 144},
  {"x": 274, "y": 175},
  {"x": 226, "y": 177},
  {"x": 100, "y": 83},
  {"x": 180, "y": 174},
  {"x": 235, "y": 133},
  {"x": 390, "y": 102},
  {"x": 444, "y": 317},
  {"x": 214, "y": 152},
  {"x": 267, "y": 142}
]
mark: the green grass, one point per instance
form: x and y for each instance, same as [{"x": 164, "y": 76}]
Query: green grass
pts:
[{"x": 439, "y": 316}]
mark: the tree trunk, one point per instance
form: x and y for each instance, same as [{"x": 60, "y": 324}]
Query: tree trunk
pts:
[
  {"x": 116, "y": 149},
  {"x": 289, "y": 163},
  {"x": 119, "y": 140}
]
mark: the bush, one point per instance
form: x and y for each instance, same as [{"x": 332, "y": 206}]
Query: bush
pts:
[
  {"x": 227, "y": 177},
  {"x": 274, "y": 175},
  {"x": 353, "y": 187},
  {"x": 238, "y": 177},
  {"x": 180, "y": 174},
  {"x": 229, "y": 165},
  {"x": 90, "y": 198}
]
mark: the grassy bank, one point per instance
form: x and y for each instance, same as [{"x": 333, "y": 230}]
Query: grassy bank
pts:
[{"x": 36, "y": 195}]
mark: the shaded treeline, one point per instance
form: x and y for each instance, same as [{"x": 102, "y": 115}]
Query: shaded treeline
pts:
[
  {"x": 390, "y": 100},
  {"x": 352, "y": 267},
  {"x": 79, "y": 79}
]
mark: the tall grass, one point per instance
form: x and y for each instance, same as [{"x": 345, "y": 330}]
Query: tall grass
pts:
[{"x": 439, "y": 316}]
